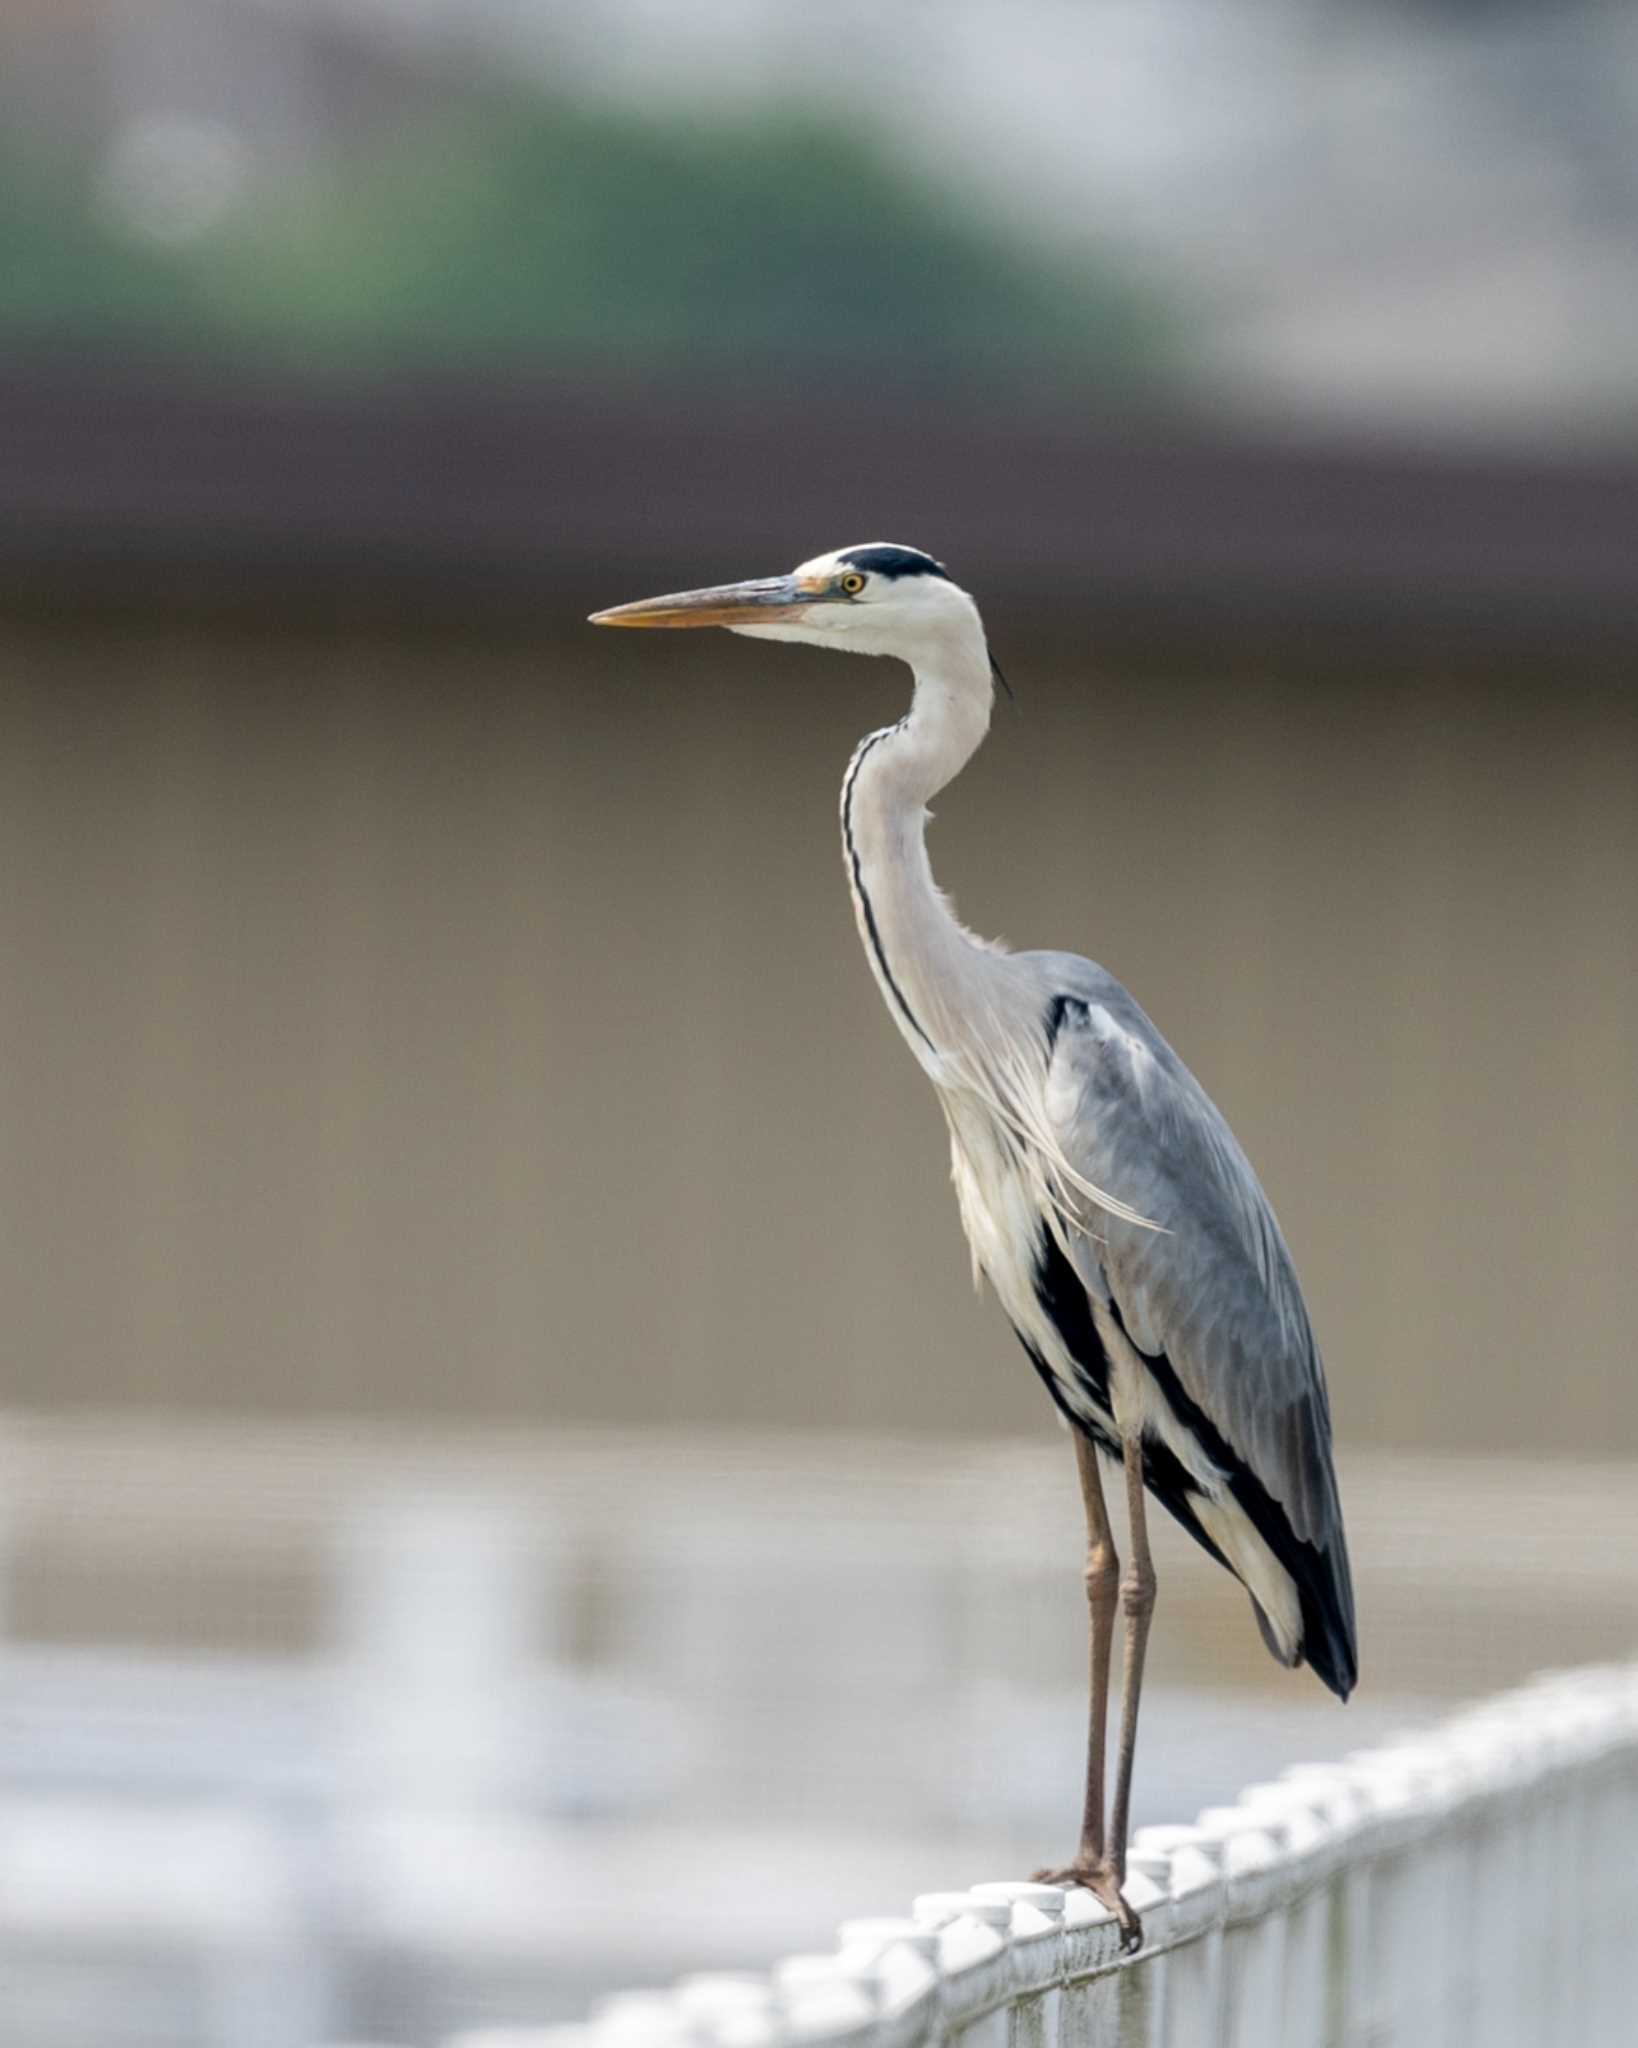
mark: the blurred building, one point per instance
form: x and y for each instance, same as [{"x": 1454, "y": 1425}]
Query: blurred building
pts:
[{"x": 424, "y": 1005}]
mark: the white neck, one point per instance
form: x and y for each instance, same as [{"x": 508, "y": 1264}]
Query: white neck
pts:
[{"x": 920, "y": 955}]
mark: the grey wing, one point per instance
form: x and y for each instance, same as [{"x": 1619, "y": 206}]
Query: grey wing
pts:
[{"x": 1210, "y": 1300}]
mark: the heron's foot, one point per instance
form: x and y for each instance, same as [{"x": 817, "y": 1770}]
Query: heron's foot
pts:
[{"x": 1100, "y": 1880}]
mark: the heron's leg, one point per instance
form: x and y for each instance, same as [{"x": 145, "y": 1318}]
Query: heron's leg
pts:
[
  {"x": 1092, "y": 1865},
  {"x": 1102, "y": 1575},
  {"x": 1137, "y": 1599}
]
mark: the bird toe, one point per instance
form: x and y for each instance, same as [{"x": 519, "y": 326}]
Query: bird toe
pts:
[{"x": 1101, "y": 1882}]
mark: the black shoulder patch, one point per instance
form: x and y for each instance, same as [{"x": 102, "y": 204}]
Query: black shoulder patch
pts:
[
  {"x": 895, "y": 562},
  {"x": 1059, "y": 1012}
]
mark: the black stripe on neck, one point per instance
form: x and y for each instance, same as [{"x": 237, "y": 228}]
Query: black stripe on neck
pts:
[{"x": 872, "y": 930}]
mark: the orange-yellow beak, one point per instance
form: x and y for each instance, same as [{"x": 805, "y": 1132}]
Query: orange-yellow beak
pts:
[{"x": 763, "y": 602}]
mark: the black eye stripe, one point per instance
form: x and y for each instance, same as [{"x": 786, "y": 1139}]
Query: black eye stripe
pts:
[{"x": 893, "y": 562}]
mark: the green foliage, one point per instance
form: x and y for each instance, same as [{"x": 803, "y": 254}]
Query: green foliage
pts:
[
  {"x": 560, "y": 233},
  {"x": 66, "y": 275},
  {"x": 538, "y": 233}
]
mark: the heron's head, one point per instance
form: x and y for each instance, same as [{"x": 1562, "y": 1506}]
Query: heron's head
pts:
[{"x": 873, "y": 599}]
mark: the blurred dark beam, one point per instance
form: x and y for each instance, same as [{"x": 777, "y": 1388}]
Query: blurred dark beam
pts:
[{"x": 501, "y": 498}]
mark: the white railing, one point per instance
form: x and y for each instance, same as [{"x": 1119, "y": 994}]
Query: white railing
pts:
[
  {"x": 1474, "y": 1886},
  {"x": 483, "y": 1741}
]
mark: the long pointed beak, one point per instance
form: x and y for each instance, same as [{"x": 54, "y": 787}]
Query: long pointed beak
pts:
[{"x": 762, "y": 602}]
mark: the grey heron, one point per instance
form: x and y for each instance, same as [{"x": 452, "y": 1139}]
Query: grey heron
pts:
[{"x": 1103, "y": 1195}]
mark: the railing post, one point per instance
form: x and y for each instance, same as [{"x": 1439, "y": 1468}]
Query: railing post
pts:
[
  {"x": 1089, "y": 2014},
  {"x": 1254, "y": 1932},
  {"x": 905, "y": 1960},
  {"x": 1333, "y": 1792},
  {"x": 1394, "y": 2004},
  {"x": 1305, "y": 1837},
  {"x": 733, "y": 2009},
  {"x": 1187, "y": 1864},
  {"x": 1037, "y": 1955},
  {"x": 976, "y": 1978}
]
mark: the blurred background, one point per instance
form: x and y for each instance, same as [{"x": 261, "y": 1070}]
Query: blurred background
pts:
[{"x": 504, "y": 1488}]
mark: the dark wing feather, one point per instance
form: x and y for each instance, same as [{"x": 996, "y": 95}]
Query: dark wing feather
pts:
[{"x": 1211, "y": 1300}]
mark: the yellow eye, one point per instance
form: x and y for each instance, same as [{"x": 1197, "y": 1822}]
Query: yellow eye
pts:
[{"x": 853, "y": 583}]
